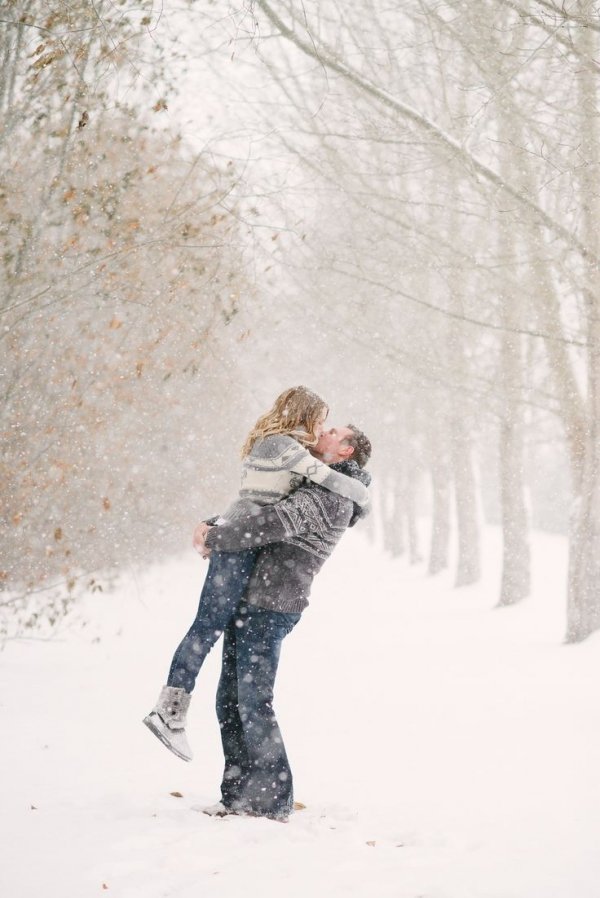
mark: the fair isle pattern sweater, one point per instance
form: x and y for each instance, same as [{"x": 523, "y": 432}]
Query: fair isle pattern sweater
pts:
[
  {"x": 296, "y": 536},
  {"x": 276, "y": 466}
]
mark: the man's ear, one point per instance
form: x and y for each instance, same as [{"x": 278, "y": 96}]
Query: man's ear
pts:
[{"x": 347, "y": 451}]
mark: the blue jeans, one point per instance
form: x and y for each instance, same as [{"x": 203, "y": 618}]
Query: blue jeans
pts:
[
  {"x": 257, "y": 778},
  {"x": 226, "y": 581}
]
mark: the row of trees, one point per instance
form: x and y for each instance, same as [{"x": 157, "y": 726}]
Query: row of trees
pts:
[
  {"x": 120, "y": 283},
  {"x": 440, "y": 188},
  {"x": 417, "y": 199}
]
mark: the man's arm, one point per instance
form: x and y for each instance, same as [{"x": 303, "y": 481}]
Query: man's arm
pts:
[{"x": 302, "y": 512}]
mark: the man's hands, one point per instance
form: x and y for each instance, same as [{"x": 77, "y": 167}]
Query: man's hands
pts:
[{"x": 199, "y": 537}]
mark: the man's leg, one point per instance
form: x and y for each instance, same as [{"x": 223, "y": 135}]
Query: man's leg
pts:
[
  {"x": 267, "y": 789},
  {"x": 232, "y": 732}
]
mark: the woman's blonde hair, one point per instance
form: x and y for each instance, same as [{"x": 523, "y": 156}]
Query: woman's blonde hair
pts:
[{"x": 295, "y": 412}]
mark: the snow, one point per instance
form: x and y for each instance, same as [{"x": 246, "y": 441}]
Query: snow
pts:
[{"x": 460, "y": 740}]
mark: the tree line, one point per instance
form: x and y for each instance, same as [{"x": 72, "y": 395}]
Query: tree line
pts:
[{"x": 451, "y": 155}]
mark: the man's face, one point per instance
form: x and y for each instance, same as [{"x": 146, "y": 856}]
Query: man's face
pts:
[{"x": 331, "y": 446}]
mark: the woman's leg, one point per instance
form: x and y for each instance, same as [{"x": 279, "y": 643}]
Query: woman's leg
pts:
[
  {"x": 226, "y": 581},
  {"x": 267, "y": 789}
]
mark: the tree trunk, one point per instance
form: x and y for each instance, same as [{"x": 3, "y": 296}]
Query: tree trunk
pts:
[
  {"x": 440, "y": 526},
  {"x": 414, "y": 552},
  {"x": 393, "y": 516},
  {"x": 516, "y": 579},
  {"x": 583, "y": 615},
  {"x": 515, "y": 583},
  {"x": 397, "y": 542},
  {"x": 469, "y": 565}
]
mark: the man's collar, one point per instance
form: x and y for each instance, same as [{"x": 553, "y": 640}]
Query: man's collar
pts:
[{"x": 352, "y": 469}]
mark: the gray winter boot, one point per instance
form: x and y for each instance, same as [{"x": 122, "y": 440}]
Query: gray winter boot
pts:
[{"x": 167, "y": 720}]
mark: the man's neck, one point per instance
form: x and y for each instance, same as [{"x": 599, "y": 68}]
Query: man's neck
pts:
[{"x": 327, "y": 458}]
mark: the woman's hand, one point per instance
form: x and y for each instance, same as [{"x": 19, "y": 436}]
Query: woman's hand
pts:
[{"x": 199, "y": 537}]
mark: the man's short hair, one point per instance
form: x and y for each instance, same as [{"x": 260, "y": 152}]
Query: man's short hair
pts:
[{"x": 361, "y": 445}]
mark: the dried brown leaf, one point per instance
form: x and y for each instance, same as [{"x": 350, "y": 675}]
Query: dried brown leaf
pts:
[{"x": 47, "y": 59}]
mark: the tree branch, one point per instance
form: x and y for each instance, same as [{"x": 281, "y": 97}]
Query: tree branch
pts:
[{"x": 327, "y": 58}]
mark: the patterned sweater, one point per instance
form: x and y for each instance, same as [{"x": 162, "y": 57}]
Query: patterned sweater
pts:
[
  {"x": 276, "y": 466},
  {"x": 296, "y": 536}
]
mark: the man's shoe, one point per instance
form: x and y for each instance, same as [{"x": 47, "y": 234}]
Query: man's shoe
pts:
[
  {"x": 215, "y": 810},
  {"x": 221, "y": 810},
  {"x": 167, "y": 721}
]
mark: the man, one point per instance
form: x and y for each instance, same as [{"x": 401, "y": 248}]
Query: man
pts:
[{"x": 296, "y": 536}]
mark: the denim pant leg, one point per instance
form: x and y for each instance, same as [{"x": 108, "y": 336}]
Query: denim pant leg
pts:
[
  {"x": 226, "y": 581},
  {"x": 267, "y": 788},
  {"x": 237, "y": 763}
]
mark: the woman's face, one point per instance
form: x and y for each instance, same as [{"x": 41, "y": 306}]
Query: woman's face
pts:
[{"x": 320, "y": 425}]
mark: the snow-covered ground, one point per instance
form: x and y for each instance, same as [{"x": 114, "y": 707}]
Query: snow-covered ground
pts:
[{"x": 443, "y": 749}]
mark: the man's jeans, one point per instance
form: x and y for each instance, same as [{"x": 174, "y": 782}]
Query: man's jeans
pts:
[
  {"x": 257, "y": 777},
  {"x": 226, "y": 581}
]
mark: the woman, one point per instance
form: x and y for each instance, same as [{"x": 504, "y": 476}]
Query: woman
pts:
[{"x": 276, "y": 460}]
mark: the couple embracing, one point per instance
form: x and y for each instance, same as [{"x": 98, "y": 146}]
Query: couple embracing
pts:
[{"x": 302, "y": 486}]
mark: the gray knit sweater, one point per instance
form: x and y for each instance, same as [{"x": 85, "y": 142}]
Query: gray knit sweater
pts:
[
  {"x": 276, "y": 466},
  {"x": 296, "y": 537}
]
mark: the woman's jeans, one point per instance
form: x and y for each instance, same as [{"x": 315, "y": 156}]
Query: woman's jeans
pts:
[
  {"x": 226, "y": 581},
  {"x": 257, "y": 777}
]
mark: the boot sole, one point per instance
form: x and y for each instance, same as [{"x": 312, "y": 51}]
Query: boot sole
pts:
[{"x": 159, "y": 735}]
